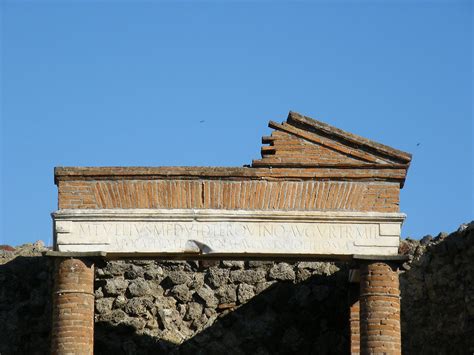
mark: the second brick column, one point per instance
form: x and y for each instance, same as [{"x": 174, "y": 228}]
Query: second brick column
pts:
[{"x": 379, "y": 309}]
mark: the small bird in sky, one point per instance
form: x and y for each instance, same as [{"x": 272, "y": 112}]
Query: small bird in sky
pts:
[
  {"x": 202, "y": 121},
  {"x": 418, "y": 144}
]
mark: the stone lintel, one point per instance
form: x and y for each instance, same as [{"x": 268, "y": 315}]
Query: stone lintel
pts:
[{"x": 226, "y": 234}]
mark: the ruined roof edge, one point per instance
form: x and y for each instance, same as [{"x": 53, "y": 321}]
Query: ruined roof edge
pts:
[{"x": 350, "y": 137}]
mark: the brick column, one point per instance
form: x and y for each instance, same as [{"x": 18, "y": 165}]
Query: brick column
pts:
[
  {"x": 379, "y": 309},
  {"x": 354, "y": 328},
  {"x": 73, "y": 307}
]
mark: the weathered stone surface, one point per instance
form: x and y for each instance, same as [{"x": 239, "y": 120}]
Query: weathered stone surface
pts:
[
  {"x": 207, "y": 295},
  {"x": 154, "y": 273},
  {"x": 302, "y": 274},
  {"x": 249, "y": 276},
  {"x": 115, "y": 317},
  {"x": 217, "y": 277},
  {"x": 227, "y": 294},
  {"x": 103, "y": 305},
  {"x": 120, "y": 301},
  {"x": 194, "y": 311},
  {"x": 260, "y": 263},
  {"x": 178, "y": 277},
  {"x": 137, "y": 306},
  {"x": 115, "y": 287},
  {"x": 319, "y": 268},
  {"x": 138, "y": 287},
  {"x": 233, "y": 264},
  {"x": 98, "y": 293},
  {"x": 282, "y": 271},
  {"x": 181, "y": 293},
  {"x": 133, "y": 272},
  {"x": 245, "y": 292},
  {"x": 115, "y": 269},
  {"x": 197, "y": 281},
  {"x": 209, "y": 232}
]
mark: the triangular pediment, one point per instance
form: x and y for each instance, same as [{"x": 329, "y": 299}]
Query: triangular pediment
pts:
[{"x": 305, "y": 142}]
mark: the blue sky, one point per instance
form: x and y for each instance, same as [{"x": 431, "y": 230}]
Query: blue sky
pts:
[{"x": 127, "y": 83}]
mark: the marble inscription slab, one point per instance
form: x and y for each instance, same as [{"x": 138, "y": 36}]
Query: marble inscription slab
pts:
[{"x": 224, "y": 232}]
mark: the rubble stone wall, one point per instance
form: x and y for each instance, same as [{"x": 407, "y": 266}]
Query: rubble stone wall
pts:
[
  {"x": 438, "y": 294},
  {"x": 236, "y": 307}
]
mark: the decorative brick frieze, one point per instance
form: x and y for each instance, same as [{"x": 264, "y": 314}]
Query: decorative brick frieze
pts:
[{"x": 222, "y": 194}]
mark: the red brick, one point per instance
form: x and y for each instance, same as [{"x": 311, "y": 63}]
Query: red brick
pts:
[
  {"x": 379, "y": 310},
  {"x": 73, "y": 307}
]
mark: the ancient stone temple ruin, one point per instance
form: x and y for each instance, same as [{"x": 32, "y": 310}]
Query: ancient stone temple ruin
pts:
[{"x": 317, "y": 193}]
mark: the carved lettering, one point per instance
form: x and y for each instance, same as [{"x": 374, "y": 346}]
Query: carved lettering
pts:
[{"x": 257, "y": 237}]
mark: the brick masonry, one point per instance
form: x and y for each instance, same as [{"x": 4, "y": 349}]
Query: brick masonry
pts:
[
  {"x": 304, "y": 141},
  {"x": 220, "y": 194},
  {"x": 73, "y": 307},
  {"x": 354, "y": 318},
  {"x": 380, "y": 331},
  {"x": 286, "y": 148}
]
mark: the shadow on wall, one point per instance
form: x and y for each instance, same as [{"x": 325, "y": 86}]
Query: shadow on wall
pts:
[
  {"x": 25, "y": 305},
  {"x": 309, "y": 317},
  {"x": 305, "y": 317}
]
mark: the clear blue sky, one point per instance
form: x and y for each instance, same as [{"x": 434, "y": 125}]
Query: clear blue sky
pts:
[{"x": 127, "y": 83}]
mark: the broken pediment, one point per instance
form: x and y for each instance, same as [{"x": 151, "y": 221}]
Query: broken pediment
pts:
[{"x": 303, "y": 142}]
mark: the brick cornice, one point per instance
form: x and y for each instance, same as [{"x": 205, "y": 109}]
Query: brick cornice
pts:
[{"x": 229, "y": 173}]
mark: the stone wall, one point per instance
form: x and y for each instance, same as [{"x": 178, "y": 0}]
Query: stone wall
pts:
[
  {"x": 438, "y": 294},
  {"x": 239, "y": 308},
  {"x": 25, "y": 300},
  {"x": 231, "y": 306}
]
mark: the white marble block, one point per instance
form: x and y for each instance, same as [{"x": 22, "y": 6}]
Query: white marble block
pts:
[{"x": 227, "y": 233}]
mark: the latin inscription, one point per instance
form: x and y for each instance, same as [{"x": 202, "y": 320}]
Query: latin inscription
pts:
[
  {"x": 228, "y": 230},
  {"x": 223, "y": 237},
  {"x": 239, "y": 233}
]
